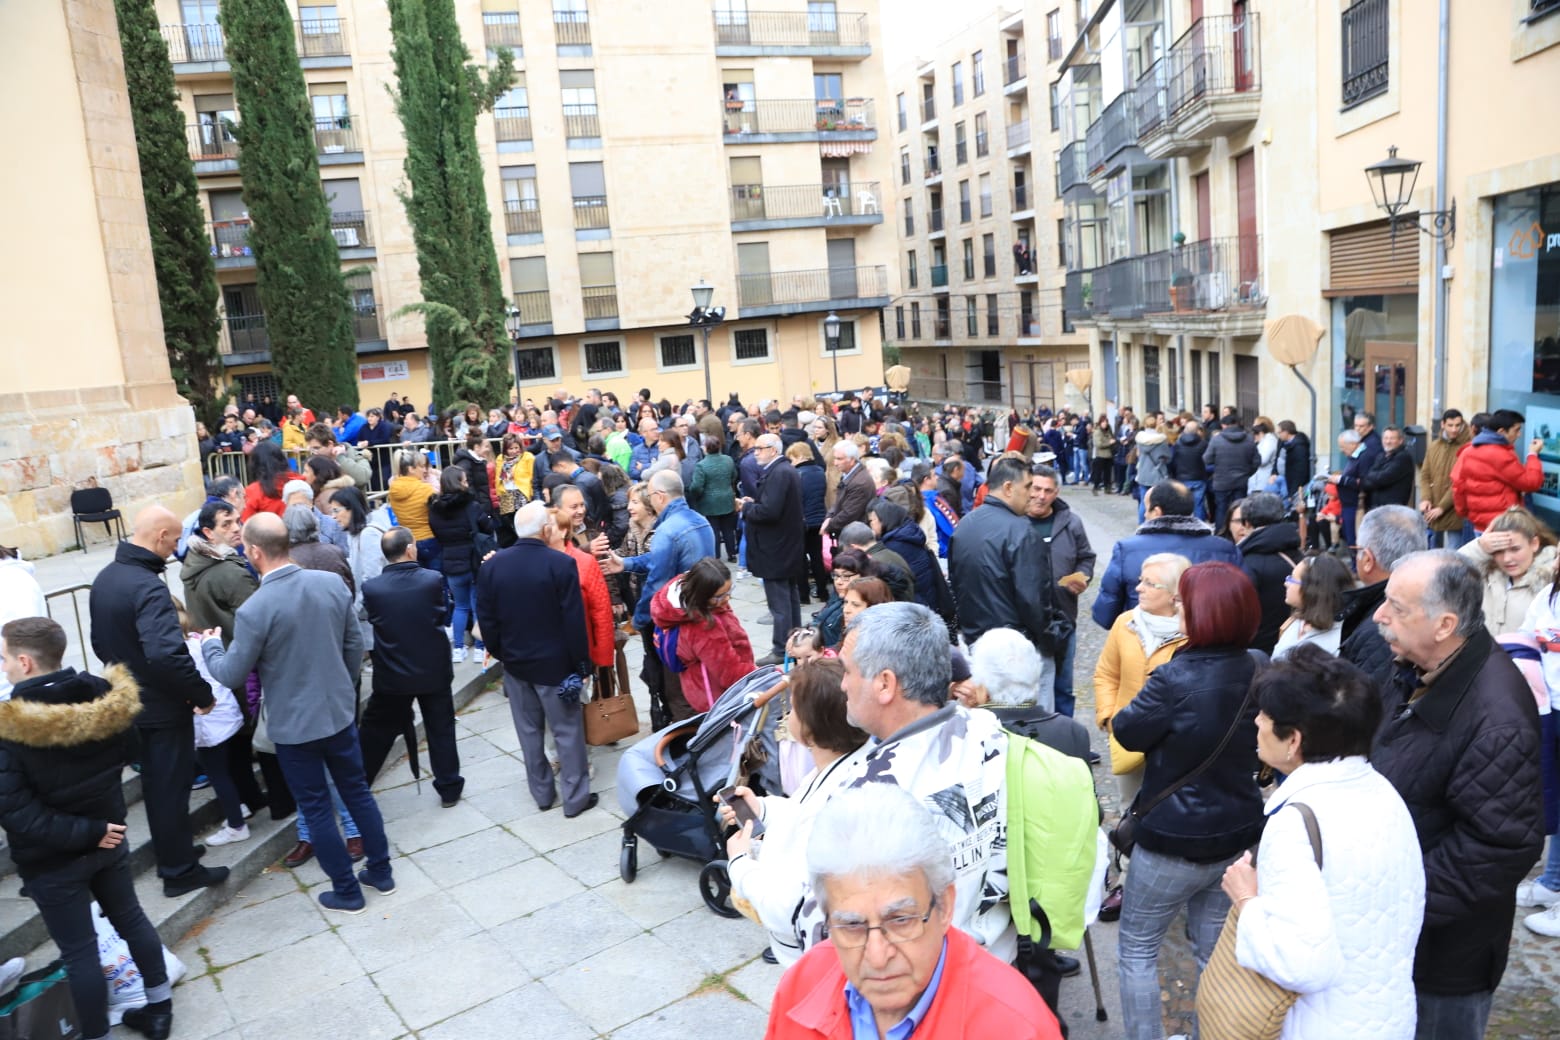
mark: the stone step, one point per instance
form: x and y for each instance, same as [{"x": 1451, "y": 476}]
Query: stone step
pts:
[{"x": 22, "y": 929}]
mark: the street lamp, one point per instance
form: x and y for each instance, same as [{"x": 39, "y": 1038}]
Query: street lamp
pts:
[
  {"x": 704, "y": 317},
  {"x": 1392, "y": 183},
  {"x": 512, "y": 325},
  {"x": 831, "y": 336}
]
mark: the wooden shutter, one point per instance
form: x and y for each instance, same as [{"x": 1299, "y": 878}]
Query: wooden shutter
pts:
[{"x": 1362, "y": 261}]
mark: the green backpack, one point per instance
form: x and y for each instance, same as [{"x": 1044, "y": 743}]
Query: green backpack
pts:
[{"x": 1053, "y": 820}]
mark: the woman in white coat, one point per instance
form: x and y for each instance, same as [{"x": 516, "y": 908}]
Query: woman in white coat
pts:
[
  {"x": 1342, "y": 936},
  {"x": 770, "y": 874},
  {"x": 1266, "y": 477}
]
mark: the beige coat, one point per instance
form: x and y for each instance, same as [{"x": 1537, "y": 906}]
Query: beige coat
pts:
[
  {"x": 1119, "y": 675},
  {"x": 1505, "y": 601}
]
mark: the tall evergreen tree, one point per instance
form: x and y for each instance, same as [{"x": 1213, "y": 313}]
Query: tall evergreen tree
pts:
[
  {"x": 302, "y": 291},
  {"x": 438, "y": 95},
  {"x": 181, "y": 250}
]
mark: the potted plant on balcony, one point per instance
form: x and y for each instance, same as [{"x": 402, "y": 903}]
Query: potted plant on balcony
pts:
[
  {"x": 1088, "y": 295},
  {"x": 1181, "y": 290}
]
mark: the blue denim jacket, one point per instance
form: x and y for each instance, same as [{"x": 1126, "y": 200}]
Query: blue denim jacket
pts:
[{"x": 682, "y": 538}]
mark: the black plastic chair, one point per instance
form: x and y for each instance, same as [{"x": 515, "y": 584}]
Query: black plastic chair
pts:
[{"x": 95, "y": 506}]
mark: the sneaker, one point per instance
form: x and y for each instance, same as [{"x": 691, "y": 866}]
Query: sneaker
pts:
[
  {"x": 1536, "y": 893},
  {"x": 383, "y": 886},
  {"x": 229, "y": 836},
  {"x": 458, "y": 655},
  {"x": 1546, "y": 922},
  {"x": 201, "y": 783},
  {"x": 10, "y": 971},
  {"x": 246, "y": 810},
  {"x": 339, "y": 904}
]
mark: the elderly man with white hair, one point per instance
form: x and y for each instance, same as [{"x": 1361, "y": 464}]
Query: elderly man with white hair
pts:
[
  {"x": 856, "y": 489},
  {"x": 1008, "y": 675},
  {"x": 894, "y": 963},
  {"x": 301, "y": 493}
]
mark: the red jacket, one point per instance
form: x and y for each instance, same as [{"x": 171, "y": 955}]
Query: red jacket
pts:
[
  {"x": 257, "y": 501},
  {"x": 1487, "y": 480},
  {"x": 598, "y": 607},
  {"x": 979, "y": 997},
  {"x": 715, "y": 653}
]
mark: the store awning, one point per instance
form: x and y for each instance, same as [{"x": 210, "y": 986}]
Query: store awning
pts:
[{"x": 843, "y": 149}]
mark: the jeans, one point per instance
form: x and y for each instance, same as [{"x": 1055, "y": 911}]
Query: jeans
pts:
[
  {"x": 463, "y": 589},
  {"x": 1156, "y": 888},
  {"x": 167, "y": 767},
  {"x": 1140, "y": 493},
  {"x": 1199, "y": 493},
  {"x": 1080, "y": 464},
  {"x": 1461, "y": 1017},
  {"x": 64, "y": 898},
  {"x": 1064, "y": 675},
  {"x": 309, "y": 767},
  {"x": 1449, "y": 539},
  {"x": 784, "y": 600},
  {"x": 348, "y": 827},
  {"x": 1222, "y": 500},
  {"x": 1550, "y": 878},
  {"x": 232, "y": 777}
]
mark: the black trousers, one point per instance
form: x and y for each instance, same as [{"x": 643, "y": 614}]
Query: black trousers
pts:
[
  {"x": 389, "y": 715},
  {"x": 812, "y": 544},
  {"x": 64, "y": 898},
  {"x": 167, "y": 769},
  {"x": 725, "y": 534},
  {"x": 231, "y": 771},
  {"x": 278, "y": 795},
  {"x": 1100, "y": 477},
  {"x": 665, "y": 687}
]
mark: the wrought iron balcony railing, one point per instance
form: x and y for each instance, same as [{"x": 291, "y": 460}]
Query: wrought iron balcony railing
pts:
[
  {"x": 819, "y": 28},
  {"x": 813, "y": 286},
  {"x": 512, "y": 123},
  {"x": 800, "y": 201},
  {"x": 522, "y": 217}
]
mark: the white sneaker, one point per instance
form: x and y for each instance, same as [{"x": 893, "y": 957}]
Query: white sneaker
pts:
[
  {"x": 458, "y": 655},
  {"x": 1536, "y": 893},
  {"x": 1546, "y": 922},
  {"x": 10, "y": 971},
  {"x": 229, "y": 836},
  {"x": 246, "y": 810}
]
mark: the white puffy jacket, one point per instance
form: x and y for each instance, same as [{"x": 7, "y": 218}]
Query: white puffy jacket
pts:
[{"x": 1342, "y": 937}]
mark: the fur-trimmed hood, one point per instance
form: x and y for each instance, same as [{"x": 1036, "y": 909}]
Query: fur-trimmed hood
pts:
[
  {"x": 69, "y": 708},
  {"x": 1175, "y": 525}
]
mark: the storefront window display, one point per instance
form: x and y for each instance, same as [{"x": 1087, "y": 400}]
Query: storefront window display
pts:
[{"x": 1356, "y": 321}]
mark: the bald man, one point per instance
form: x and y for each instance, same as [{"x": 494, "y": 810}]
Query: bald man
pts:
[{"x": 134, "y": 623}]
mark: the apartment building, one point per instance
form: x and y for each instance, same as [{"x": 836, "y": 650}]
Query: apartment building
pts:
[
  {"x": 979, "y": 315},
  {"x": 1214, "y": 180},
  {"x": 643, "y": 150}
]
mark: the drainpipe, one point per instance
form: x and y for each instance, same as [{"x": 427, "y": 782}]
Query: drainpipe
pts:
[{"x": 1438, "y": 399}]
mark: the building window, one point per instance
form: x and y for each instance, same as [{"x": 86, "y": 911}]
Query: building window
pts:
[
  {"x": 961, "y": 149},
  {"x": 750, "y": 344},
  {"x": 899, "y": 321},
  {"x": 982, "y": 138},
  {"x": 993, "y": 320},
  {"x": 679, "y": 351},
  {"x": 915, "y": 320},
  {"x": 537, "y": 364},
  {"x": 969, "y": 260},
  {"x": 978, "y": 72},
  {"x": 988, "y": 255},
  {"x": 1061, "y": 242},
  {"x": 971, "y": 316},
  {"x": 904, "y": 166},
  {"x": 579, "y": 102},
  {"x": 1053, "y": 35},
  {"x": 985, "y": 194},
  {"x": 1365, "y": 43},
  {"x": 847, "y": 341},
  {"x": 964, "y": 202},
  {"x": 1056, "y": 107},
  {"x": 909, "y": 216},
  {"x": 904, "y": 114},
  {"x": 604, "y": 358},
  {"x": 958, "y": 83},
  {"x": 1151, "y": 377},
  {"x": 910, "y": 268}
]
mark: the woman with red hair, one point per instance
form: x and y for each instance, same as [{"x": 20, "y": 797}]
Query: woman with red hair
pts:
[{"x": 1194, "y": 715}]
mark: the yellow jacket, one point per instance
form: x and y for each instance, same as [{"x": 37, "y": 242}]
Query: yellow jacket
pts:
[
  {"x": 292, "y": 438},
  {"x": 1118, "y": 676},
  {"x": 409, "y": 499}
]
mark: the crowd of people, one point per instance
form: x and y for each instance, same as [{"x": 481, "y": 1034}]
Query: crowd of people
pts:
[{"x": 1368, "y": 672}]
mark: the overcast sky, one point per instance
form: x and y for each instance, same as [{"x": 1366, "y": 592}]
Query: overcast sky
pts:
[{"x": 913, "y": 28}]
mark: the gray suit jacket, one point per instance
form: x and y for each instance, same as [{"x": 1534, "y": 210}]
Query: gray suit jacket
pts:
[{"x": 300, "y": 631}]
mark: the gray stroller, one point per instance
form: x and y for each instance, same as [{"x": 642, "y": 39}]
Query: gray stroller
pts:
[{"x": 667, "y": 782}]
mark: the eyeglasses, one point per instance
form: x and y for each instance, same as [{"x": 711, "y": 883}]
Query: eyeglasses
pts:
[
  {"x": 901, "y": 928},
  {"x": 1156, "y": 585},
  {"x": 1237, "y": 520},
  {"x": 1290, "y": 579}
]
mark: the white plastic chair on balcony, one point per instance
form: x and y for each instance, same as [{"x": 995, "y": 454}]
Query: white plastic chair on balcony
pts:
[
  {"x": 831, "y": 204},
  {"x": 866, "y": 202}
]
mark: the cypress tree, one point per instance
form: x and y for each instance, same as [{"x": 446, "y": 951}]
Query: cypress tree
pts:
[
  {"x": 302, "y": 290},
  {"x": 438, "y": 96},
  {"x": 181, "y": 250}
]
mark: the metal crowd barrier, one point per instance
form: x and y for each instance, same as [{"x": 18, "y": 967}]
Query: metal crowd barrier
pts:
[
  {"x": 381, "y": 459},
  {"x": 78, "y": 649}
]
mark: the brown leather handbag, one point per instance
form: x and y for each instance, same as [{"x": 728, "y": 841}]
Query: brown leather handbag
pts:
[{"x": 611, "y": 716}]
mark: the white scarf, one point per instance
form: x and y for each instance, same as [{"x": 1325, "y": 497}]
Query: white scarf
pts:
[{"x": 1154, "y": 630}]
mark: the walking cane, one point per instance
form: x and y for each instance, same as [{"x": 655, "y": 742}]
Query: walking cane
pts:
[{"x": 1094, "y": 977}]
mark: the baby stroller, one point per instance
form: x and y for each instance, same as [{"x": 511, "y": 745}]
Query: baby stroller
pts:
[{"x": 667, "y": 782}]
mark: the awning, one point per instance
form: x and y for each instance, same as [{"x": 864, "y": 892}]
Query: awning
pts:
[{"x": 843, "y": 149}]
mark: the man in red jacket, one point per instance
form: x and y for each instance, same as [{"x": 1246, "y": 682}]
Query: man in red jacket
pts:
[
  {"x": 1487, "y": 479},
  {"x": 884, "y": 876}
]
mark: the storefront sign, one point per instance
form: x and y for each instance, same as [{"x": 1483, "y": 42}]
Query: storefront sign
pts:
[{"x": 384, "y": 371}]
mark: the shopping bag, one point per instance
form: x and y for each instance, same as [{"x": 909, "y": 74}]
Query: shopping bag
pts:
[
  {"x": 126, "y": 989},
  {"x": 39, "y": 1007}
]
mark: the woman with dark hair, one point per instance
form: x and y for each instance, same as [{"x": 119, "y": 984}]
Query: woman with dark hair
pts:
[
  {"x": 1103, "y": 454},
  {"x": 713, "y": 495},
  {"x": 264, "y": 494},
  {"x": 892, "y": 524},
  {"x": 1185, "y": 839},
  {"x": 514, "y": 480},
  {"x": 815, "y": 509},
  {"x": 671, "y": 455},
  {"x": 848, "y": 565},
  {"x": 1314, "y": 591},
  {"x": 615, "y": 483},
  {"x": 365, "y": 557},
  {"x": 776, "y": 883},
  {"x": 472, "y": 457},
  {"x": 1341, "y": 934},
  {"x": 375, "y": 435},
  {"x": 456, "y": 517},
  {"x": 713, "y": 648}
]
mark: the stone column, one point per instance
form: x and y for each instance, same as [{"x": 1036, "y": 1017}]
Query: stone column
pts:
[{"x": 86, "y": 396}]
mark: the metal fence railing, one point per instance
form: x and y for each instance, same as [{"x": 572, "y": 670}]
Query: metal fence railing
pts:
[
  {"x": 512, "y": 122},
  {"x": 792, "y": 201},
  {"x": 800, "y": 115},
  {"x": 819, "y": 28}
]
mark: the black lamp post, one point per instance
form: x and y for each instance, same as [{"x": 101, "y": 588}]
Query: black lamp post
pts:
[
  {"x": 703, "y": 317},
  {"x": 831, "y": 336},
  {"x": 512, "y": 325},
  {"x": 1392, "y": 183}
]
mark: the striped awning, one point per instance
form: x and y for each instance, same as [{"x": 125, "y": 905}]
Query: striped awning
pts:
[{"x": 843, "y": 149}]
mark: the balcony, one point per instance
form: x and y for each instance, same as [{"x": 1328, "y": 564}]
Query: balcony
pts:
[
  {"x": 600, "y": 304},
  {"x": 934, "y": 222},
  {"x": 505, "y": 34},
  {"x": 1208, "y": 86},
  {"x": 933, "y": 166},
  {"x": 939, "y": 275},
  {"x": 322, "y": 42},
  {"x": 522, "y": 217},
  {"x": 928, "y": 110},
  {"x": 198, "y": 49},
  {"x": 572, "y": 31},
  {"x": 760, "y": 207},
  {"x": 1015, "y": 76},
  {"x": 336, "y": 141},
  {"x": 1018, "y": 138},
  {"x": 831, "y": 123},
  {"x": 535, "y": 309},
  {"x": 512, "y": 124},
  {"x": 580, "y": 122},
  {"x": 1073, "y": 163},
  {"x": 1221, "y": 274},
  {"x": 1366, "y": 48},
  {"x": 769, "y": 34},
  {"x": 365, "y": 311},
  {"x": 242, "y": 336},
  {"x": 1108, "y": 136},
  {"x": 590, "y": 214},
  {"x": 823, "y": 289},
  {"x": 230, "y": 247},
  {"x": 1078, "y": 294},
  {"x": 213, "y": 147},
  {"x": 1023, "y": 202}
]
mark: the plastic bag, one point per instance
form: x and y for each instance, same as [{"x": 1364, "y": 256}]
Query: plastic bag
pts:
[{"x": 125, "y": 988}]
